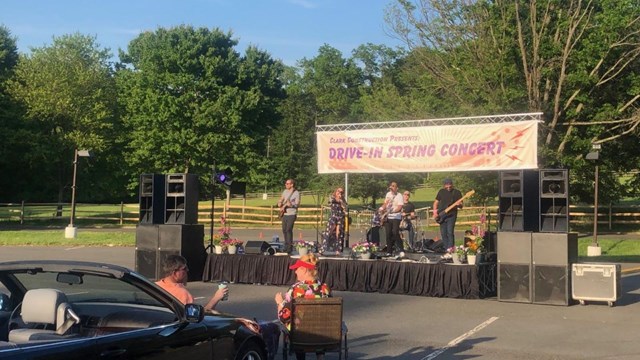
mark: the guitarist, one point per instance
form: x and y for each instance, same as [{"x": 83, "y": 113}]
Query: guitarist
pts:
[
  {"x": 288, "y": 204},
  {"x": 446, "y": 197},
  {"x": 392, "y": 206}
]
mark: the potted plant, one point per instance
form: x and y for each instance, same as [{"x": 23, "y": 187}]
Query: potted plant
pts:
[
  {"x": 304, "y": 247},
  {"x": 474, "y": 249},
  {"x": 217, "y": 243},
  {"x": 232, "y": 245},
  {"x": 457, "y": 253},
  {"x": 364, "y": 249}
]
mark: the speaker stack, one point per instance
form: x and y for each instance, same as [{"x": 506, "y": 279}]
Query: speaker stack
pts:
[
  {"x": 535, "y": 249},
  {"x": 169, "y": 224}
]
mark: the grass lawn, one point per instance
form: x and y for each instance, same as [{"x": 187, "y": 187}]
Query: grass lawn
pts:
[{"x": 614, "y": 248}]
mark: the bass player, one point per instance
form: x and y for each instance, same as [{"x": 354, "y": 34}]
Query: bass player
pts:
[
  {"x": 288, "y": 204},
  {"x": 446, "y": 197}
]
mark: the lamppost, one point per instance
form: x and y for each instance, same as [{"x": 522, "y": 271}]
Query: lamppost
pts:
[
  {"x": 71, "y": 231},
  {"x": 594, "y": 249}
]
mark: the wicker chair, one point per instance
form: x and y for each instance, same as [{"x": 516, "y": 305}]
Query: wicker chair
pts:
[{"x": 316, "y": 326}]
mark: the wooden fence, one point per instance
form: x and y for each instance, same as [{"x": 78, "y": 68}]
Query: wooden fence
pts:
[{"x": 127, "y": 214}]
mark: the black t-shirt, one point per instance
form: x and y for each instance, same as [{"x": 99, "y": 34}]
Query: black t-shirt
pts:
[
  {"x": 408, "y": 208},
  {"x": 446, "y": 198}
]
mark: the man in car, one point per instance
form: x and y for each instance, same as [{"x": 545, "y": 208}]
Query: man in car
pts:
[{"x": 174, "y": 280}]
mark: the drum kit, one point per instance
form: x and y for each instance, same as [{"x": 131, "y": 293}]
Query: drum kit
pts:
[{"x": 376, "y": 234}]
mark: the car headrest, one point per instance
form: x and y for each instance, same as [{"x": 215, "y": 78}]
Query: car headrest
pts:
[{"x": 41, "y": 305}]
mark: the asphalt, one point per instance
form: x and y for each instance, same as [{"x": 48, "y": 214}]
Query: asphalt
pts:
[{"x": 388, "y": 326}]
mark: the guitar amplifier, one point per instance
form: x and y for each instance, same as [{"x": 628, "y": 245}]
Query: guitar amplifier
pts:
[{"x": 596, "y": 282}]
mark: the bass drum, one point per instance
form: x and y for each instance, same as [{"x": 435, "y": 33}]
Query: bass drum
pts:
[{"x": 378, "y": 236}]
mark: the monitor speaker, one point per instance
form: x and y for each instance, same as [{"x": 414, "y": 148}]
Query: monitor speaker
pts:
[{"x": 258, "y": 247}]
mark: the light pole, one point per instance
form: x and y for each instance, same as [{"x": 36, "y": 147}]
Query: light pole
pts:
[
  {"x": 71, "y": 231},
  {"x": 594, "y": 249}
]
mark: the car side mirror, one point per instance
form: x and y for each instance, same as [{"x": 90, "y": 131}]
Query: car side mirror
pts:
[
  {"x": 194, "y": 313},
  {"x": 4, "y": 302}
]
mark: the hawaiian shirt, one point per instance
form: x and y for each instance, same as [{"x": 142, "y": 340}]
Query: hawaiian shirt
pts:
[{"x": 301, "y": 289}]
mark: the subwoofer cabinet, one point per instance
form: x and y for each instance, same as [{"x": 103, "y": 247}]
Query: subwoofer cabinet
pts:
[
  {"x": 155, "y": 242},
  {"x": 596, "y": 282},
  {"x": 514, "y": 266}
]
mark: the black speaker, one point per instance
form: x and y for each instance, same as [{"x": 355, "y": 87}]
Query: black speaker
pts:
[
  {"x": 490, "y": 242},
  {"x": 181, "y": 199},
  {"x": 551, "y": 285},
  {"x": 518, "y": 208},
  {"x": 554, "y": 200},
  {"x": 155, "y": 243},
  {"x": 514, "y": 282},
  {"x": 258, "y": 247},
  {"x": 151, "y": 199},
  {"x": 238, "y": 188}
]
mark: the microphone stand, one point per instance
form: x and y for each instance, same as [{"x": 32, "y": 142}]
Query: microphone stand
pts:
[{"x": 213, "y": 200}]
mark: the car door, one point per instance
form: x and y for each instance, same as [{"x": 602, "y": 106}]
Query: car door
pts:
[
  {"x": 71, "y": 349},
  {"x": 173, "y": 341}
]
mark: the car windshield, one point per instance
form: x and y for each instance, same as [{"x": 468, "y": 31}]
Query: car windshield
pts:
[{"x": 89, "y": 288}]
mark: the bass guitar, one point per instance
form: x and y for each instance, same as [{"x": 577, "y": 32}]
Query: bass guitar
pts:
[{"x": 441, "y": 215}]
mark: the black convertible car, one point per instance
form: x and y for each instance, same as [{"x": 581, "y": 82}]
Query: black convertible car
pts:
[{"x": 82, "y": 310}]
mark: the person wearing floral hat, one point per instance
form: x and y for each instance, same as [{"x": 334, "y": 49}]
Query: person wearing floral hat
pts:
[{"x": 307, "y": 286}]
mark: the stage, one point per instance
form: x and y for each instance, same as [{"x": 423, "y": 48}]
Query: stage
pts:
[{"x": 383, "y": 276}]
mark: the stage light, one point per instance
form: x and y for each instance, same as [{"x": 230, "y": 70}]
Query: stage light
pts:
[{"x": 224, "y": 177}]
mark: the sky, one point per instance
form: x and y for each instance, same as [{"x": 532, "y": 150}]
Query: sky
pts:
[{"x": 288, "y": 29}]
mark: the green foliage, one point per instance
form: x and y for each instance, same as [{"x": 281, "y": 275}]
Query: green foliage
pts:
[
  {"x": 68, "y": 95},
  {"x": 189, "y": 100}
]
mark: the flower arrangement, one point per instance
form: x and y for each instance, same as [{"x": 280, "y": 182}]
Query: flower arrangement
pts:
[
  {"x": 461, "y": 251},
  {"x": 232, "y": 242},
  {"x": 223, "y": 237},
  {"x": 475, "y": 246},
  {"x": 299, "y": 244},
  {"x": 364, "y": 247}
]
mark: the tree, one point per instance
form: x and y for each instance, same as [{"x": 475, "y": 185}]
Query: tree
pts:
[
  {"x": 68, "y": 93},
  {"x": 189, "y": 100},
  {"x": 574, "y": 60},
  {"x": 11, "y": 137}
]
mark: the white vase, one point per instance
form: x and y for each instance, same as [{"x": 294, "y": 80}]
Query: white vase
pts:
[
  {"x": 456, "y": 258},
  {"x": 471, "y": 259},
  {"x": 303, "y": 251},
  {"x": 218, "y": 249},
  {"x": 232, "y": 249},
  {"x": 365, "y": 256}
]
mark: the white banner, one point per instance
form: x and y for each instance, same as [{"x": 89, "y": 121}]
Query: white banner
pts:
[{"x": 498, "y": 146}]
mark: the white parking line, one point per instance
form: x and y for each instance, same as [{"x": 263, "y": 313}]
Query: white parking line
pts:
[{"x": 459, "y": 339}]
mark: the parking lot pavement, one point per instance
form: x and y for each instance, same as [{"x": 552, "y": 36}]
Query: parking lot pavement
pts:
[{"x": 385, "y": 326}]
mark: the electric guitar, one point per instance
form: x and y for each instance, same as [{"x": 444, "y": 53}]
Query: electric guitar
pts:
[
  {"x": 444, "y": 212},
  {"x": 284, "y": 206}
]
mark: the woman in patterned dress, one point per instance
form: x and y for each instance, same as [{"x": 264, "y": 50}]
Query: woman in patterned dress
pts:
[{"x": 334, "y": 234}]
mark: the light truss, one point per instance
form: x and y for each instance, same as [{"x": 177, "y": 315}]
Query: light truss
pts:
[{"x": 469, "y": 120}]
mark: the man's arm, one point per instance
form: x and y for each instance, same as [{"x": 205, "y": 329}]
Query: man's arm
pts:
[{"x": 435, "y": 207}]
